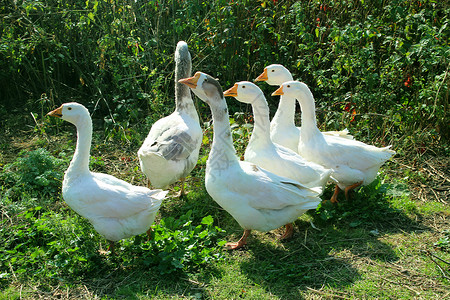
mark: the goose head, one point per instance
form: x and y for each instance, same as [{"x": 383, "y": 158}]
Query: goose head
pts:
[
  {"x": 204, "y": 86},
  {"x": 275, "y": 74},
  {"x": 72, "y": 112},
  {"x": 244, "y": 91},
  {"x": 294, "y": 89}
]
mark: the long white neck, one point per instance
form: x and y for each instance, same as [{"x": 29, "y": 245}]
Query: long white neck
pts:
[
  {"x": 222, "y": 153},
  {"x": 183, "y": 98},
  {"x": 308, "y": 107},
  {"x": 285, "y": 113},
  {"x": 261, "y": 127},
  {"x": 80, "y": 161}
]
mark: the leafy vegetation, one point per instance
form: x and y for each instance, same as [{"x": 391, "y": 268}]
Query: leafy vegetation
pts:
[
  {"x": 381, "y": 65},
  {"x": 379, "y": 68},
  {"x": 35, "y": 172}
]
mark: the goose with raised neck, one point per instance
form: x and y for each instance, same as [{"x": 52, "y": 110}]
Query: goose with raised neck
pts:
[
  {"x": 115, "y": 208},
  {"x": 353, "y": 163},
  {"x": 262, "y": 151},
  {"x": 255, "y": 197},
  {"x": 282, "y": 127},
  {"x": 183, "y": 67},
  {"x": 170, "y": 151}
]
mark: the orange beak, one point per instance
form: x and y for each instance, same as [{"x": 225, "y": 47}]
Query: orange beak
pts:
[
  {"x": 56, "y": 113},
  {"x": 191, "y": 81},
  {"x": 278, "y": 92},
  {"x": 263, "y": 76},
  {"x": 232, "y": 92}
]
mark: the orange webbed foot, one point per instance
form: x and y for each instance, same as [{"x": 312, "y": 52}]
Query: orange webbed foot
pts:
[
  {"x": 335, "y": 195},
  {"x": 288, "y": 232},
  {"x": 239, "y": 244}
]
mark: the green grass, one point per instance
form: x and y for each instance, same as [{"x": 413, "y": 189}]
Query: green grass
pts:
[
  {"x": 378, "y": 245},
  {"x": 376, "y": 68},
  {"x": 371, "y": 247}
]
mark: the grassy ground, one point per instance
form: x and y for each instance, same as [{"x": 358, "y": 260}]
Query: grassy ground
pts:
[{"x": 390, "y": 241}]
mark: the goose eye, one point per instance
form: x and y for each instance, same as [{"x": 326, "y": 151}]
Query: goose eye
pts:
[
  {"x": 288, "y": 86},
  {"x": 273, "y": 71},
  {"x": 69, "y": 108},
  {"x": 243, "y": 86}
]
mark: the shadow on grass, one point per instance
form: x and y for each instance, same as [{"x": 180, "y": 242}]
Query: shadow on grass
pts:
[
  {"x": 314, "y": 258},
  {"x": 116, "y": 280},
  {"x": 288, "y": 268}
]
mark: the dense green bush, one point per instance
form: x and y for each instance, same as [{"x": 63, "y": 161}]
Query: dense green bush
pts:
[
  {"x": 36, "y": 172},
  {"x": 382, "y": 64}
]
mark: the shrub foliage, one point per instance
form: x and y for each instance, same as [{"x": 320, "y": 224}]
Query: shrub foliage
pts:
[{"x": 384, "y": 63}]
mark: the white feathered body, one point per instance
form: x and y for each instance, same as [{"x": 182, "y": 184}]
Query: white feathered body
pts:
[
  {"x": 351, "y": 161},
  {"x": 287, "y": 163},
  {"x": 115, "y": 208},
  {"x": 171, "y": 149},
  {"x": 258, "y": 199}
]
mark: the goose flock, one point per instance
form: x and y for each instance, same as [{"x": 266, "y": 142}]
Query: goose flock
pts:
[{"x": 283, "y": 175}]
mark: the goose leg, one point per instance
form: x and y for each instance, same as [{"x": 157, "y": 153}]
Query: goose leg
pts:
[
  {"x": 289, "y": 231},
  {"x": 181, "y": 192},
  {"x": 349, "y": 188},
  {"x": 240, "y": 243},
  {"x": 111, "y": 247},
  {"x": 335, "y": 195}
]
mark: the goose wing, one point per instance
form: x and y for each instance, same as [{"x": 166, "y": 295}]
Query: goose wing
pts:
[
  {"x": 103, "y": 195},
  {"x": 355, "y": 154},
  {"x": 171, "y": 139},
  {"x": 265, "y": 190}
]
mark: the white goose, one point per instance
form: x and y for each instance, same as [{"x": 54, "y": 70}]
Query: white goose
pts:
[
  {"x": 256, "y": 198},
  {"x": 282, "y": 127},
  {"x": 115, "y": 208},
  {"x": 268, "y": 155},
  {"x": 353, "y": 163},
  {"x": 171, "y": 149}
]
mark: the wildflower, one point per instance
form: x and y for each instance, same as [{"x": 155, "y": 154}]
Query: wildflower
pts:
[
  {"x": 408, "y": 82},
  {"x": 352, "y": 111},
  {"x": 348, "y": 106}
]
